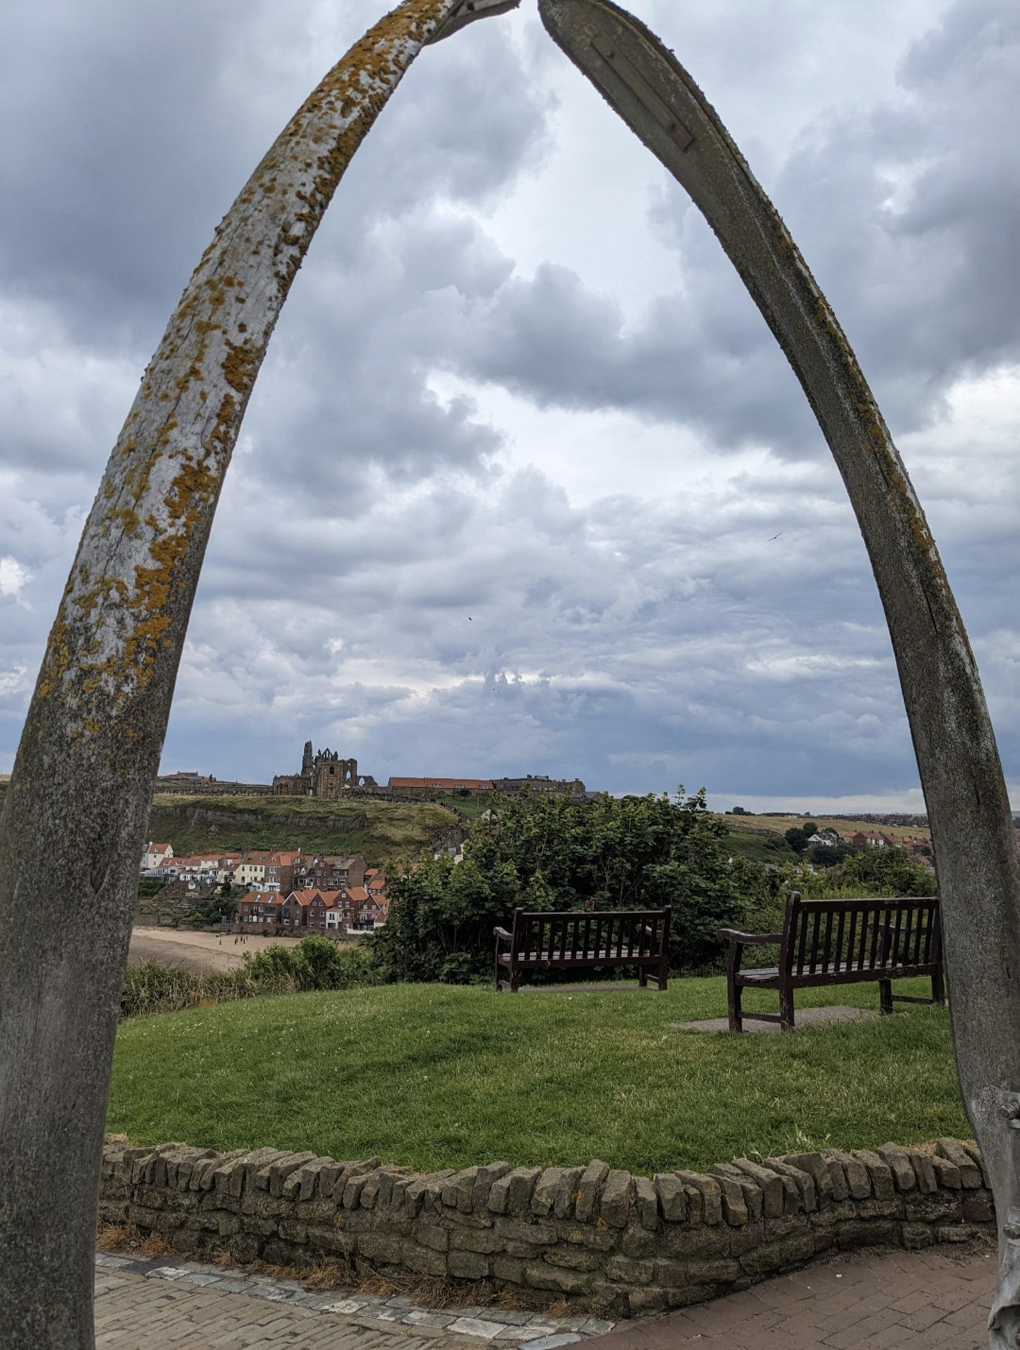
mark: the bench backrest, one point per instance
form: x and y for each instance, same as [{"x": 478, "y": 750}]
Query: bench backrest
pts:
[
  {"x": 620, "y": 933},
  {"x": 849, "y": 936}
]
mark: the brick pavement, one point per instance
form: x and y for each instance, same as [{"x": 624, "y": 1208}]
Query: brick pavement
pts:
[
  {"x": 170, "y": 1302},
  {"x": 935, "y": 1299},
  {"x": 896, "y": 1300}
]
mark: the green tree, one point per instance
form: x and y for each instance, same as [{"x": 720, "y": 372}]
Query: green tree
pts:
[{"x": 535, "y": 852}]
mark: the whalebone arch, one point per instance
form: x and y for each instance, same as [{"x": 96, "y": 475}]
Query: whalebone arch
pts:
[{"x": 103, "y": 697}]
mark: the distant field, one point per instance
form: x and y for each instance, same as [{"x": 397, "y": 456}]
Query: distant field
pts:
[{"x": 780, "y": 824}]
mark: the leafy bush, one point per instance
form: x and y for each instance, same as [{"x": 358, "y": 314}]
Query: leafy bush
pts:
[
  {"x": 559, "y": 854},
  {"x": 875, "y": 871},
  {"x": 317, "y": 963}
]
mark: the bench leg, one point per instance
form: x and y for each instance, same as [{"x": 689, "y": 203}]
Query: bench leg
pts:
[
  {"x": 515, "y": 979},
  {"x": 885, "y": 997},
  {"x": 736, "y": 992},
  {"x": 643, "y": 977},
  {"x": 786, "y": 1009},
  {"x": 663, "y": 975},
  {"x": 938, "y": 987}
]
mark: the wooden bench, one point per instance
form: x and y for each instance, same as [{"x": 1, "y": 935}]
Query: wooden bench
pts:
[
  {"x": 544, "y": 940},
  {"x": 829, "y": 942}
]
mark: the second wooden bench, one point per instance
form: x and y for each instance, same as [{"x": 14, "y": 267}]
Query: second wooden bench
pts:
[
  {"x": 576, "y": 939},
  {"x": 829, "y": 942}
]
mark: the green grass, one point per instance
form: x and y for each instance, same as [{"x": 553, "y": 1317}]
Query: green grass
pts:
[{"x": 433, "y": 1076}]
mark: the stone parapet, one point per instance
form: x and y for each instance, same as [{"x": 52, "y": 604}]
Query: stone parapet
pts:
[{"x": 594, "y": 1235}]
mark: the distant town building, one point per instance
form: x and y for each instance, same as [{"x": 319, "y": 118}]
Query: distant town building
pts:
[{"x": 324, "y": 774}]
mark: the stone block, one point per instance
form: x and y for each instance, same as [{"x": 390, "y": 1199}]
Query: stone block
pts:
[
  {"x": 866, "y": 1233},
  {"x": 933, "y": 1208},
  {"x": 292, "y": 1231},
  {"x": 424, "y": 1260},
  {"x": 798, "y": 1188},
  {"x": 256, "y": 1168},
  {"x": 645, "y": 1301},
  {"x": 566, "y": 1192},
  {"x": 573, "y": 1258},
  {"x": 628, "y": 1271},
  {"x": 244, "y": 1248},
  {"x": 916, "y": 1236},
  {"x": 508, "y": 1269},
  {"x": 539, "y": 1275},
  {"x": 879, "y": 1173},
  {"x": 957, "y": 1232},
  {"x": 646, "y": 1203},
  {"x": 487, "y": 1176},
  {"x": 947, "y": 1174},
  {"x": 672, "y": 1199},
  {"x": 688, "y": 1243},
  {"x": 464, "y": 1265},
  {"x": 744, "y": 1239},
  {"x": 858, "y": 1182},
  {"x": 599, "y": 1239},
  {"x": 457, "y": 1190},
  {"x": 880, "y": 1209},
  {"x": 521, "y": 1183},
  {"x": 734, "y": 1207},
  {"x": 541, "y": 1234},
  {"x": 781, "y": 1255},
  {"x": 837, "y": 1176},
  {"x": 771, "y": 1186},
  {"x": 638, "y": 1242},
  {"x": 754, "y": 1200},
  {"x": 709, "y": 1192},
  {"x": 923, "y": 1171},
  {"x": 484, "y": 1240},
  {"x": 898, "y": 1161},
  {"x": 818, "y": 1170},
  {"x": 589, "y": 1190},
  {"x": 302, "y": 1182},
  {"x": 430, "y": 1235},
  {"x": 978, "y": 1208},
  {"x": 954, "y": 1152},
  {"x": 617, "y": 1199},
  {"x": 974, "y": 1153},
  {"x": 281, "y": 1169},
  {"x": 725, "y": 1270}
]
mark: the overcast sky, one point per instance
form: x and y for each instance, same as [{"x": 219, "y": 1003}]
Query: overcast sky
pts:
[{"x": 526, "y": 485}]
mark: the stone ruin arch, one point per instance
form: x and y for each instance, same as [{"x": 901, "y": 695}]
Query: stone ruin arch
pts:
[{"x": 103, "y": 695}]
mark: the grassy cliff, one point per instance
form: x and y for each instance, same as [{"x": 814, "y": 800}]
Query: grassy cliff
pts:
[{"x": 385, "y": 832}]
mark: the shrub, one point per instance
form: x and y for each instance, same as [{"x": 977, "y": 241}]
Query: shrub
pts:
[
  {"x": 561, "y": 854},
  {"x": 317, "y": 963}
]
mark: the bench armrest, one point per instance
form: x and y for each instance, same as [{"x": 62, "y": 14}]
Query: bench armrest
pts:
[
  {"x": 748, "y": 939},
  {"x": 502, "y": 933}
]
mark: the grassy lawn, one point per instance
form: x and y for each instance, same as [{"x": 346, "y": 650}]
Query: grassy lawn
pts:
[{"x": 432, "y": 1076}]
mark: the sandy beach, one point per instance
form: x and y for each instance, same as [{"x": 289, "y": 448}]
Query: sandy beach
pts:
[{"x": 197, "y": 951}]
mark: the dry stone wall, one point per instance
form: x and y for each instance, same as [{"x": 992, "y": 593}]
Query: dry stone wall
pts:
[{"x": 627, "y": 1244}]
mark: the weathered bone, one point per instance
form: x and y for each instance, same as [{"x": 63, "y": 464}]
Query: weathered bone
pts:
[
  {"x": 82, "y": 781},
  {"x": 978, "y": 866}
]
